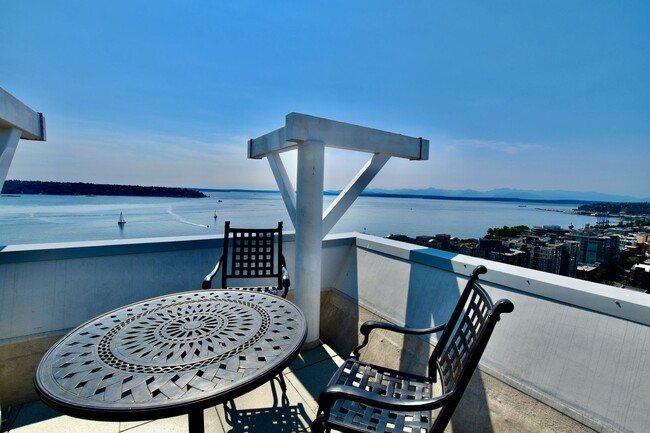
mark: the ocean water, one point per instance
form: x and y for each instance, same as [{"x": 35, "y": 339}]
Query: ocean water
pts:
[{"x": 29, "y": 219}]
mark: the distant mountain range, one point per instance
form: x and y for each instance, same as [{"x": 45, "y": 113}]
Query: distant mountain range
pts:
[
  {"x": 510, "y": 194},
  {"x": 507, "y": 194}
]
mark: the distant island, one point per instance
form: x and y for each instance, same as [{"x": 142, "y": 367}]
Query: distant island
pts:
[{"x": 16, "y": 187}]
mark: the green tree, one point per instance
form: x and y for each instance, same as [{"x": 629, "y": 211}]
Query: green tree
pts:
[{"x": 505, "y": 232}]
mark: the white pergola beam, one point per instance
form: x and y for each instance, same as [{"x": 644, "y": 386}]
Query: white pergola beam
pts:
[
  {"x": 302, "y": 127},
  {"x": 351, "y": 192},
  {"x": 284, "y": 183},
  {"x": 267, "y": 144},
  {"x": 17, "y": 121},
  {"x": 15, "y": 114},
  {"x": 9, "y": 138},
  {"x": 310, "y": 135}
]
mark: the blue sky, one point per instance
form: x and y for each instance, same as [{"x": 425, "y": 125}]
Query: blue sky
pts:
[{"x": 542, "y": 95}]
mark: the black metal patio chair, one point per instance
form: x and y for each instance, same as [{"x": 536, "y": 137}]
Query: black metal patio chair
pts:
[
  {"x": 255, "y": 254},
  {"x": 363, "y": 397},
  {"x": 252, "y": 254}
]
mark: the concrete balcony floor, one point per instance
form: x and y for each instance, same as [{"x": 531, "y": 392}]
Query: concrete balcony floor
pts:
[{"x": 265, "y": 409}]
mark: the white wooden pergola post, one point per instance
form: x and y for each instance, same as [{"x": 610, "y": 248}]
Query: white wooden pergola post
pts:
[
  {"x": 310, "y": 135},
  {"x": 16, "y": 121}
]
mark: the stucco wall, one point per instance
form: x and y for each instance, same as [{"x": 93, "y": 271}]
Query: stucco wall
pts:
[{"x": 577, "y": 346}]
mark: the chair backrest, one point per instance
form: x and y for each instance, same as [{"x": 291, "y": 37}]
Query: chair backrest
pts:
[
  {"x": 251, "y": 253},
  {"x": 463, "y": 341}
]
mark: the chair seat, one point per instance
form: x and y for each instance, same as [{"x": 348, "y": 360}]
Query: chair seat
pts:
[
  {"x": 346, "y": 414},
  {"x": 271, "y": 290}
]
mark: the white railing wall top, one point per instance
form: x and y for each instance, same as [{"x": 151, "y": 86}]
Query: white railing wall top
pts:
[{"x": 625, "y": 304}]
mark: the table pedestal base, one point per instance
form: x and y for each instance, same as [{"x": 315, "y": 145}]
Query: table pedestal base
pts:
[{"x": 196, "y": 423}]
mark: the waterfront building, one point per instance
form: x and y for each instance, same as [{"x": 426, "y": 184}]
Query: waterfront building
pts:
[
  {"x": 469, "y": 249},
  {"x": 569, "y": 261},
  {"x": 510, "y": 257},
  {"x": 586, "y": 272},
  {"x": 548, "y": 230},
  {"x": 640, "y": 276},
  {"x": 545, "y": 256},
  {"x": 401, "y": 238},
  {"x": 488, "y": 246},
  {"x": 595, "y": 247},
  {"x": 554, "y": 250}
]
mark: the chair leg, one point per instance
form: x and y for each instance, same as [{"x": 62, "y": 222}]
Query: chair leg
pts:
[{"x": 319, "y": 425}]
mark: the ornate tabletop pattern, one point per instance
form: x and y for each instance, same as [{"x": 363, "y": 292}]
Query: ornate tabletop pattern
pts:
[{"x": 171, "y": 351}]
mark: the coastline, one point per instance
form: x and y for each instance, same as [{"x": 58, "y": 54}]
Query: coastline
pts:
[
  {"x": 13, "y": 188},
  {"x": 16, "y": 188}
]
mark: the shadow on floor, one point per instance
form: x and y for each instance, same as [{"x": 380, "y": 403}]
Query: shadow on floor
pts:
[
  {"x": 28, "y": 413},
  {"x": 283, "y": 417},
  {"x": 315, "y": 369}
]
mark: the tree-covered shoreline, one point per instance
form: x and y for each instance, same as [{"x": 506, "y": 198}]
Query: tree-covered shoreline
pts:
[
  {"x": 631, "y": 208},
  {"x": 81, "y": 188}
]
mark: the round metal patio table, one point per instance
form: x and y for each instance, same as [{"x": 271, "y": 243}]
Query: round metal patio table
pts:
[{"x": 171, "y": 355}]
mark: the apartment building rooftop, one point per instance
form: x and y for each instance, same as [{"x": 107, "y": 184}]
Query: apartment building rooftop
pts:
[{"x": 548, "y": 367}]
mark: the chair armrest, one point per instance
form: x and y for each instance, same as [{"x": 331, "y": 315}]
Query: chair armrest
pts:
[
  {"x": 207, "y": 281},
  {"x": 368, "y": 326},
  {"x": 286, "y": 281},
  {"x": 334, "y": 392}
]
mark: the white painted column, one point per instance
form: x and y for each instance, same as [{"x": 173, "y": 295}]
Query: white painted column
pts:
[
  {"x": 9, "y": 138},
  {"x": 309, "y": 229}
]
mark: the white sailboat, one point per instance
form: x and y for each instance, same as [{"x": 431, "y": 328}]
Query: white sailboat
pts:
[{"x": 121, "y": 221}]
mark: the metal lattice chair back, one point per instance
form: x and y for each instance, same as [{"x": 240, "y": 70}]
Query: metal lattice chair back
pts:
[
  {"x": 252, "y": 253},
  {"x": 455, "y": 349}
]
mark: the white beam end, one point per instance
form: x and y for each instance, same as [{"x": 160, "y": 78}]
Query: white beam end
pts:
[
  {"x": 273, "y": 142},
  {"x": 15, "y": 114}
]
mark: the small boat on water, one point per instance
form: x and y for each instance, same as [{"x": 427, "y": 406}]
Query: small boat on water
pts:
[{"x": 121, "y": 221}]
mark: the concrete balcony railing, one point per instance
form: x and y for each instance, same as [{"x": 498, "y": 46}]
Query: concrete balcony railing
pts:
[{"x": 570, "y": 348}]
